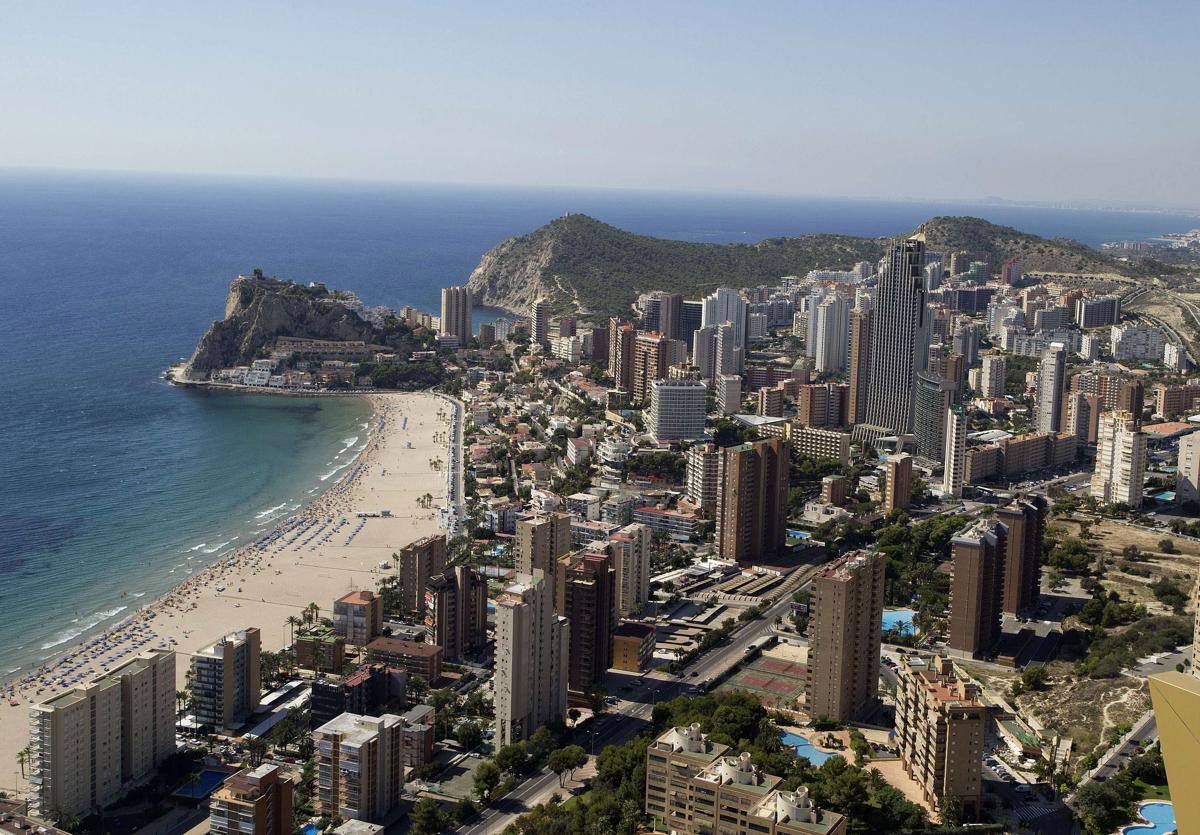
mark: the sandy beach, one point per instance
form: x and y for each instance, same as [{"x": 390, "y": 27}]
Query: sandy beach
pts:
[{"x": 316, "y": 556}]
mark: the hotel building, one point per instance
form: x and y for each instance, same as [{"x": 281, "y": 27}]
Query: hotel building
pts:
[{"x": 226, "y": 680}]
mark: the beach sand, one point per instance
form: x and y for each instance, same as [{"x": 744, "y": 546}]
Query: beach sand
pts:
[{"x": 316, "y": 556}]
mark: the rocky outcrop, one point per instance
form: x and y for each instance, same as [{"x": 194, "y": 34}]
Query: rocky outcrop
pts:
[
  {"x": 516, "y": 272},
  {"x": 258, "y": 309}
]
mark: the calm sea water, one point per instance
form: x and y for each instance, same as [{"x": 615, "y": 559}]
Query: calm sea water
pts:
[{"x": 113, "y": 485}]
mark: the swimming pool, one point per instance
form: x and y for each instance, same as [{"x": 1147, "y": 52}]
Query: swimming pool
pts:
[
  {"x": 201, "y": 786},
  {"x": 310, "y": 829},
  {"x": 902, "y": 618},
  {"x": 804, "y": 748},
  {"x": 1161, "y": 816}
]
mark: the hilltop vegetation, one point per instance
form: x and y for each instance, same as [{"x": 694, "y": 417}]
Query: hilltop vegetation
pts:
[
  {"x": 602, "y": 269},
  {"x": 589, "y": 266}
]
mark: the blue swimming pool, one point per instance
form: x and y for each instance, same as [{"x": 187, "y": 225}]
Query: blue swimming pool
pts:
[
  {"x": 310, "y": 829},
  {"x": 799, "y": 534},
  {"x": 1161, "y": 816},
  {"x": 804, "y": 748},
  {"x": 902, "y": 618},
  {"x": 202, "y": 785}
]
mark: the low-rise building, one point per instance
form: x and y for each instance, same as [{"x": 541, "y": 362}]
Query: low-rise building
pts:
[
  {"x": 633, "y": 647},
  {"x": 358, "y": 617},
  {"x": 693, "y": 788},
  {"x": 416, "y": 659}
]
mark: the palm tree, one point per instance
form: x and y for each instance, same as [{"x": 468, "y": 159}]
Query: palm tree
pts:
[
  {"x": 22, "y": 759},
  {"x": 311, "y": 611},
  {"x": 293, "y": 621}
]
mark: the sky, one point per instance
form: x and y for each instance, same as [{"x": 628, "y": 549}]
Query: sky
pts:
[{"x": 1041, "y": 100}]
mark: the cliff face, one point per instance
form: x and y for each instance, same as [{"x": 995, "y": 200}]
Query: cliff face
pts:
[
  {"x": 516, "y": 272},
  {"x": 259, "y": 309}
]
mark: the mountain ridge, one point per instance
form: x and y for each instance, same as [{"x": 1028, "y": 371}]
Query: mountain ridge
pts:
[{"x": 582, "y": 263}]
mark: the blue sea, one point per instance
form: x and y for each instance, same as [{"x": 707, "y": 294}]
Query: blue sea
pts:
[{"x": 114, "y": 485}]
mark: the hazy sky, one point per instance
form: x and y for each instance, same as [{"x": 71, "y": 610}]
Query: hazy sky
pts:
[{"x": 1034, "y": 100}]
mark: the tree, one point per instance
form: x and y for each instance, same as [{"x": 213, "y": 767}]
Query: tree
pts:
[
  {"x": 464, "y": 810},
  {"x": 426, "y": 817},
  {"x": 293, "y": 621},
  {"x": 256, "y": 749},
  {"x": 513, "y": 759},
  {"x": 469, "y": 735},
  {"x": 22, "y": 759},
  {"x": 1167, "y": 546},
  {"x": 564, "y": 761},
  {"x": 487, "y": 777},
  {"x": 540, "y": 744},
  {"x": 596, "y": 695}
]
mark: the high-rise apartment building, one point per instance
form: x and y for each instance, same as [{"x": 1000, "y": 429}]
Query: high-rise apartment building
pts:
[
  {"x": 729, "y": 393},
  {"x": 620, "y": 353},
  {"x": 677, "y": 410},
  {"x": 845, "y": 634},
  {"x": 729, "y": 356},
  {"x": 899, "y": 344},
  {"x": 752, "y": 500},
  {"x": 860, "y": 359},
  {"x": 539, "y": 322},
  {"x": 897, "y": 482},
  {"x": 415, "y": 564},
  {"x": 653, "y": 354},
  {"x": 954, "y": 456},
  {"x": 588, "y": 594},
  {"x": 978, "y": 554},
  {"x": 360, "y": 771},
  {"x": 541, "y": 541},
  {"x": 1052, "y": 379},
  {"x": 940, "y": 728},
  {"x": 725, "y": 305},
  {"x": 932, "y": 401},
  {"x": 703, "y": 474},
  {"x": 358, "y": 617},
  {"x": 992, "y": 378},
  {"x": 630, "y": 549},
  {"x": 1187, "y": 470},
  {"x": 456, "y": 611},
  {"x": 823, "y": 404},
  {"x": 456, "y": 314},
  {"x": 226, "y": 680},
  {"x": 1083, "y": 416},
  {"x": 1132, "y": 398},
  {"x": 531, "y": 659},
  {"x": 704, "y": 352},
  {"x": 693, "y": 788},
  {"x": 253, "y": 801},
  {"x": 670, "y": 315},
  {"x": 1024, "y": 521},
  {"x": 88, "y": 744},
  {"x": 831, "y": 334},
  {"x": 692, "y": 320},
  {"x": 1120, "y": 469}
]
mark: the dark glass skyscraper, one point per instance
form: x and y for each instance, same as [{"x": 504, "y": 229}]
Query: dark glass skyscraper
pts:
[{"x": 899, "y": 339}]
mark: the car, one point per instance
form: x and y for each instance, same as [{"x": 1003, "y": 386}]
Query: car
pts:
[{"x": 694, "y": 673}]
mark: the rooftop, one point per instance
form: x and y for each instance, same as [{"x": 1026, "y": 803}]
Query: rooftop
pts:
[{"x": 396, "y": 645}]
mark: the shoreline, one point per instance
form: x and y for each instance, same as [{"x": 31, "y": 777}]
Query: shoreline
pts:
[{"x": 304, "y": 557}]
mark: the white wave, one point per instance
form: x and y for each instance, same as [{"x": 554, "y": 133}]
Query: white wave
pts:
[
  {"x": 85, "y": 624},
  {"x": 218, "y": 546},
  {"x": 349, "y": 442},
  {"x": 197, "y": 547},
  {"x": 138, "y": 594},
  {"x": 335, "y": 471},
  {"x": 271, "y": 510}
]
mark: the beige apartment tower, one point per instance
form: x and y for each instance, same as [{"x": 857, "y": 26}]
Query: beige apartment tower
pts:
[
  {"x": 415, "y": 564},
  {"x": 226, "y": 680},
  {"x": 531, "y": 649},
  {"x": 897, "y": 482},
  {"x": 89, "y": 743},
  {"x": 630, "y": 549},
  {"x": 940, "y": 727},
  {"x": 541, "y": 541},
  {"x": 360, "y": 769},
  {"x": 845, "y": 633},
  {"x": 456, "y": 314},
  {"x": 1120, "y": 469}
]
